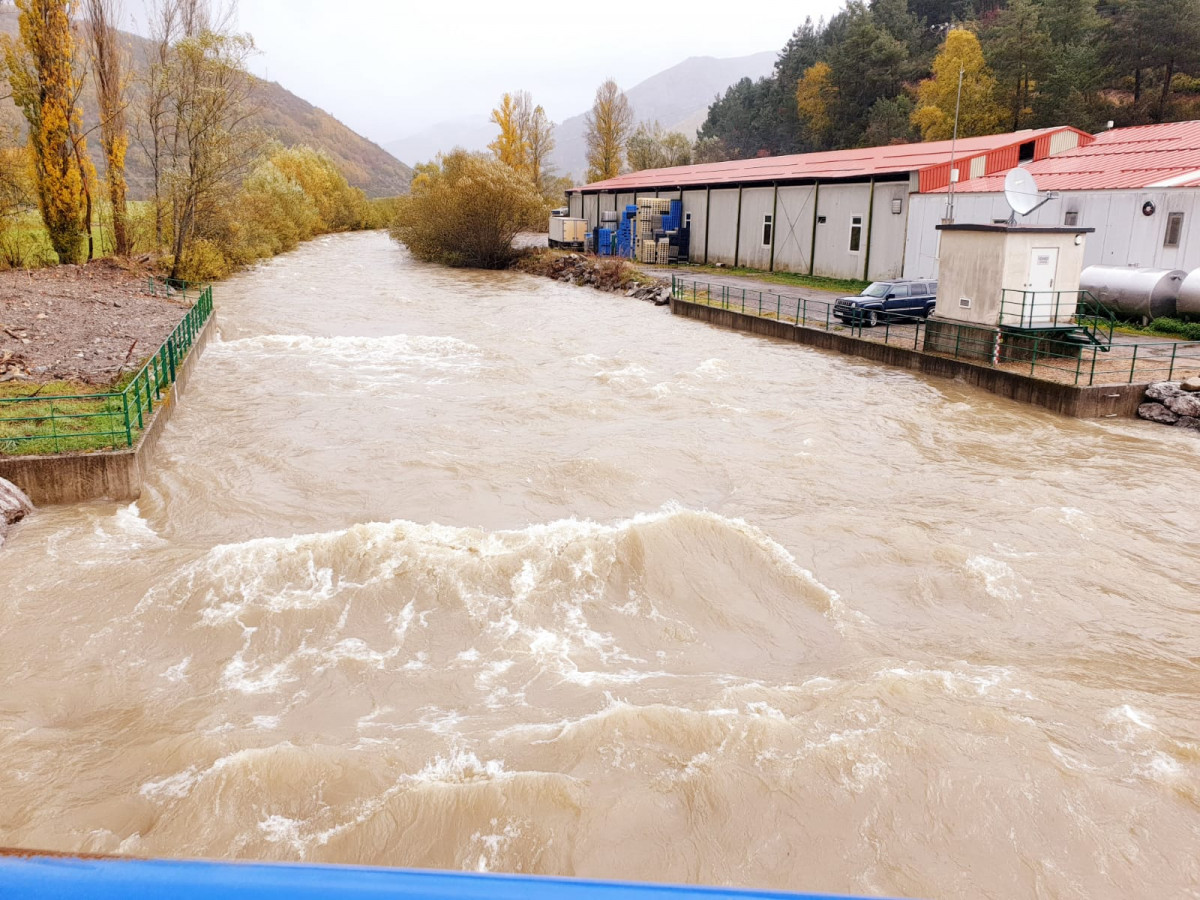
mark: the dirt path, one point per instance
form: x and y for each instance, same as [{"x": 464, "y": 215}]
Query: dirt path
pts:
[{"x": 85, "y": 324}]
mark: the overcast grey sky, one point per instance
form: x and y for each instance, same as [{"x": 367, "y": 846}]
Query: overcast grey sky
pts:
[{"x": 387, "y": 69}]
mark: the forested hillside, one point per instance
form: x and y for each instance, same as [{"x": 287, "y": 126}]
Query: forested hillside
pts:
[
  {"x": 279, "y": 115},
  {"x": 886, "y": 71}
]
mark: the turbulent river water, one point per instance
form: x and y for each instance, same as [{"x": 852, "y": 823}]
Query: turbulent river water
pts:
[{"x": 481, "y": 571}]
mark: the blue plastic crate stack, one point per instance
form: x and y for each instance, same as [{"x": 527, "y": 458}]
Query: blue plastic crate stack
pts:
[
  {"x": 604, "y": 242},
  {"x": 674, "y": 217},
  {"x": 625, "y": 235}
]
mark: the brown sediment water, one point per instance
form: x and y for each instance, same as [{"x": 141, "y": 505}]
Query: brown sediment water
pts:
[{"x": 481, "y": 571}]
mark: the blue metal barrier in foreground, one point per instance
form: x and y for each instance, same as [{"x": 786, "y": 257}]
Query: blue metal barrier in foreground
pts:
[{"x": 54, "y": 877}]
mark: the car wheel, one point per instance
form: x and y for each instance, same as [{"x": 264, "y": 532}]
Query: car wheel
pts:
[{"x": 872, "y": 318}]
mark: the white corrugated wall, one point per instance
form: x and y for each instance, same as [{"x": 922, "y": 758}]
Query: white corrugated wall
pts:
[
  {"x": 757, "y": 203},
  {"x": 839, "y": 204},
  {"x": 793, "y": 228},
  {"x": 722, "y": 225},
  {"x": 694, "y": 205},
  {"x": 1123, "y": 235}
]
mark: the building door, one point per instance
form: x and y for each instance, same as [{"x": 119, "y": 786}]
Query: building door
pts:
[{"x": 1040, "y": 303}]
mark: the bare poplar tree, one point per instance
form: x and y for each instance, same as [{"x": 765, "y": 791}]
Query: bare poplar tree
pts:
[{"x": 213, "y": 141}]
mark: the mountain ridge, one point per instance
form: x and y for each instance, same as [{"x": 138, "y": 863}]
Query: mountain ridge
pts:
[{"x": 282, "y": 116}]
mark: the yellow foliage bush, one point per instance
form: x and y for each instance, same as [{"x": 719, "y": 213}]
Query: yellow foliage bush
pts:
[
  {"x": 292, "y": 195},
  {"x": 465, "y": 209}
]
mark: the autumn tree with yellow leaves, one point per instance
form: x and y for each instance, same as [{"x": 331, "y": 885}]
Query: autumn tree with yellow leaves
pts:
[
  {"x": 526, "y": 136},
  {"x": 607, "y": 124},
  {"x": 45, "y": 86},
  {"x": 813, "y": 95},
  {"x": 937, "y": 96}
]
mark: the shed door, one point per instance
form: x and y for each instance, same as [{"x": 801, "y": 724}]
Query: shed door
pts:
[{"x": 1040, "y": 304}]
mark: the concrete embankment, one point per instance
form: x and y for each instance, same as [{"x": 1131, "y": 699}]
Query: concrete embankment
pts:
[
  {"x": 108, "y": 475},
  {"x": 1088, "y": 402}
]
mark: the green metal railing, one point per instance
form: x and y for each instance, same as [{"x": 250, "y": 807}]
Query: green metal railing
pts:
[
  {"x": 1057, "y": 311},
  {"x": 1050, "y": 353},
  {"x": 108, "y": 421}
]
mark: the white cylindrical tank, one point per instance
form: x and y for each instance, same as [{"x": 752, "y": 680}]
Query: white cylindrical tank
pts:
[
  {"x": 1133, "y": 291},
  {"x": 1189, "y": 295}
]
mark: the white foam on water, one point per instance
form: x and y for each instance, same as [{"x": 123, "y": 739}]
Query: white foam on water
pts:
[
  {"x": 459, "y": 767},
  {"x": 1127, "y": 713},
  {"x": 280, "y": 829},
  {"x": 390, "y": 358},
  {"x": 712, "y": 370},
  {"x": 998, "y": 577},
  {"x": 173, "y": 787},
  {"x": 178, "y": 672}
]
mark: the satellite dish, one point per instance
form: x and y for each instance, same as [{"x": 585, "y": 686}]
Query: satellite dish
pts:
[{"x": 1021, "y": 192}]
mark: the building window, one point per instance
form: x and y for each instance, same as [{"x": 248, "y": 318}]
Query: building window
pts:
[
  {"x": 1071, "y": 219},
  {"x": 1174, "y": 229},
  {"x": 687, "y": 220},
  {"x": 768, "y": 224},
  {"x": 1026, "y": 152},
  {"x": 855, "y": 233}
]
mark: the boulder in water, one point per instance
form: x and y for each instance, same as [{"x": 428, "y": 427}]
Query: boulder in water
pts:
[
  {"x": 1163, "y": 391},
  {"x": 1185, "y": 405},
  {"x": 1156, "y": 412},
  {"x": 14, "y": 506}
]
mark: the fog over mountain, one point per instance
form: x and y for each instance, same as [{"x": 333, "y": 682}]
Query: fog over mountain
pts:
[{"x": 677, "y": 98}]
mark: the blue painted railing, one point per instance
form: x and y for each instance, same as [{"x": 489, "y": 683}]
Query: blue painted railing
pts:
[{"x": 75, "y": 878}]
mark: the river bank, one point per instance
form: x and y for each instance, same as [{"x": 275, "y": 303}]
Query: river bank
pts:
[
  {"x": 607, "y": 274},
  {"x": 80, "y": 324}
]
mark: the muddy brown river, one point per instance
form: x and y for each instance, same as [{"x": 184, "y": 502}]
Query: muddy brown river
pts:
[{"x": 480, "y": 571}]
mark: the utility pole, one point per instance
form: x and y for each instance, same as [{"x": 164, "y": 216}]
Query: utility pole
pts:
[{"x": 953, "y": 144}]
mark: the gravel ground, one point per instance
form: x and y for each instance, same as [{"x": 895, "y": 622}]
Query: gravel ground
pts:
[{"x": 85, "y": 324}]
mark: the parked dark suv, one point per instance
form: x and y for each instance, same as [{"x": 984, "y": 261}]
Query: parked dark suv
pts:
[{"x": 900, "y": 301}]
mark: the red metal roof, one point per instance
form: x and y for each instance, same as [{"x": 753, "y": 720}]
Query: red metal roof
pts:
[
  {"x": 895, "y": 159},
  {"x": 1148, "y": 156}
]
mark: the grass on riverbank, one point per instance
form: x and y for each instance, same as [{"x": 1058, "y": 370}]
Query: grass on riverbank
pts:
[
  {"x": 816, "y": 282},
  {"x": 62, "y": 417},
  {"x": 1164, "y": 327}
]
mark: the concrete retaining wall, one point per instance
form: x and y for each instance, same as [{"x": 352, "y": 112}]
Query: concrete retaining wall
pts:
[
  {"x": 108, "y": 475},
  {"x": 1094, "y": 402}
]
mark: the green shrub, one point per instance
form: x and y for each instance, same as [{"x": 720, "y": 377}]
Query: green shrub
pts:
[
  {"x": 464, "y": 210},
  {"x": 1167, "y": 325}
]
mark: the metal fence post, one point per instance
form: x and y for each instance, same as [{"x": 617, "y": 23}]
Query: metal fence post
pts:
[
  {"x": 1092, "y": 377},
  {"x": 778, "y": 306},
  {"x": 957, "y": 339},
  {"x": 743, "y": 300},
  {"x": 1033, "y": 361},
  {"x": 1171, "y": 370},
  {"x": 760, "y": 303},
  {"x": 125, "y": 407},
  {"x": 804, "y": 310},
  {"x": 1133, "y": 363}
]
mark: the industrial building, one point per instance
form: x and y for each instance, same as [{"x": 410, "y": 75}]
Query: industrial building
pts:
[
  {"x": 840, "y": 214},
  {"x": 1138, "y": 188}
]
